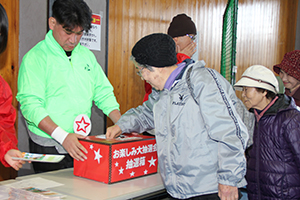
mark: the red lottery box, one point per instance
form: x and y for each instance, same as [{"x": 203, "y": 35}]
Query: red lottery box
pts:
[{"x": 110, "y": 161}]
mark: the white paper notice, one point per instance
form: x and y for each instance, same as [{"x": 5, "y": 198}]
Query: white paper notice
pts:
[{"x": 92, "y": 39}]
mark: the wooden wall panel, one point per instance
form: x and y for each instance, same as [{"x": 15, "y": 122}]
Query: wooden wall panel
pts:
[
  {"x": 266, "y": 30},
  {"x": 9, "y": 63}
]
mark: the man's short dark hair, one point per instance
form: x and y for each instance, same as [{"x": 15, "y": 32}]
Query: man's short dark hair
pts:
[
  {"x": 3, "y": 29},
  {"x": 72, "y": 13}
]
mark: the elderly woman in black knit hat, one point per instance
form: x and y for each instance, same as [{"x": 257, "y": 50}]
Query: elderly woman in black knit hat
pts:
[
  {"x": 200, "y": 137},
  {"x": 289, "y": 72}
]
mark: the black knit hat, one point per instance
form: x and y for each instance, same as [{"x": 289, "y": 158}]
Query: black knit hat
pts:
[
  {"x": 181, "y": 25},
  {"x": 156, "y": 50}
]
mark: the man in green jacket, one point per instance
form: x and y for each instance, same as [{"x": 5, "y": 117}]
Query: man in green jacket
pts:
[{"x": 58, "y": 80}]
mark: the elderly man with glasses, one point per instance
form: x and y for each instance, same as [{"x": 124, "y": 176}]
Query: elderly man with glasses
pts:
[
  {"x": 183, "y": 31},
  {"x": 200, "y": 136}
]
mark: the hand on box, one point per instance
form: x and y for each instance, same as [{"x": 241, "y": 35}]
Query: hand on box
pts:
[
  {"x": 188, "y": 50},
  {"x": 73, "y": 147},
  {"x": 113, "y": 132},
  {"x": 16, "y": 164},
  {"x": 227, "y": 192}
]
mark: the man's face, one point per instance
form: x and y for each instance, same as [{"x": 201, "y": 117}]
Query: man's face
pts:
[
  {"x": 183, "y": 41},
  {"x": 66, "y": 38}
]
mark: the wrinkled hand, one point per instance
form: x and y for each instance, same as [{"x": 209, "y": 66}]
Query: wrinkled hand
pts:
[
  {"x": 188, "y": 50},
  {"x": 113, "y": 132},
  {"x": 16, "y": 164},
  {"x": 73, "y": 146},
  {"x": 227, "y": 192}
]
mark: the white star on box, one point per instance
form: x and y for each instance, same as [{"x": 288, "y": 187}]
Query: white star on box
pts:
[
  {"x": 97, "y": 156},
  {"x": 132, "y": 173},
  {"x": 121, "y": 171},
  {"x": 146, "y": 172},
  {"x": 91, "y": 146},
  {"x": 116, "y": 164},
  {"x": 152, "y": 161}
]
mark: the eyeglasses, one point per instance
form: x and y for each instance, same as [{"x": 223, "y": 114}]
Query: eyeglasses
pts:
[
  {"x": 193, "y": 37},
  {"x": 139, "y": 72}
]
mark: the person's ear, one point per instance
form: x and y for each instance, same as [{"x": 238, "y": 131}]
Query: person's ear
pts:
[
  {"x": 265, "y": 93},
  {"x": 175, "y": 39},
  {"x": 51, "y": 22}
]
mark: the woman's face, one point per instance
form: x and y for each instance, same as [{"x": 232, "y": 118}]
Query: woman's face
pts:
[
  {"x": 152, "y": 77},
  {"x": 289, "y": 82},
  {"x": 254, "y": 99}
]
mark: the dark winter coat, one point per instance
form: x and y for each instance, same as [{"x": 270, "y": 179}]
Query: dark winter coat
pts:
[
  {"x": 295, "y": 94},
  {"x": 274, "y": 159}
]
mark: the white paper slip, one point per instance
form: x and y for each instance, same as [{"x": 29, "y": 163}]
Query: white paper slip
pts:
[
  {"x": 101, "y": 136},
  {"x": 34, "y": 193},
  {"x": 37, "y": 182},
  {"x": 34, "y": 157}
]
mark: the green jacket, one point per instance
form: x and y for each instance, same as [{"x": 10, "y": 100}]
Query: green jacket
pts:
[{"x": 49, "y": 84}]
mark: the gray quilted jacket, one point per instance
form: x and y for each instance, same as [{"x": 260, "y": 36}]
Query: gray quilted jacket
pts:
[{"x": 198, "y": 146}]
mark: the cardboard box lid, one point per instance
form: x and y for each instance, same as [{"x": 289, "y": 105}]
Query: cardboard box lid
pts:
[{"x": 124, "y": 138}]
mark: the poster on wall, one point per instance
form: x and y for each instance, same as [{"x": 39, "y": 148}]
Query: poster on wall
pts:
[{"x": 92, "y": 39}]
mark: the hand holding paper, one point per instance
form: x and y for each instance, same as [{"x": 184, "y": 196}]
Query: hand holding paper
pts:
[
  {"x": 16, "y": 164},
  {"x": 113, "y": 131}
]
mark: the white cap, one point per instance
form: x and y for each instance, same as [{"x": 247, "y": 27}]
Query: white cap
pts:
[{"x": 260, "y": 77}]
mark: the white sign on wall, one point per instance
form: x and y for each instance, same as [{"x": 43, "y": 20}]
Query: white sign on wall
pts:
[{"x": 92, "y": 39}]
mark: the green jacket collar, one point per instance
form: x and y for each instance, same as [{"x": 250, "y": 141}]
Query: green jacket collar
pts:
[{"x": 53, "y": 44}]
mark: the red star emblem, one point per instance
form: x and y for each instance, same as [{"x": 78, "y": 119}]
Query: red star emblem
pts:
[{"x": 82, "y": 125}]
